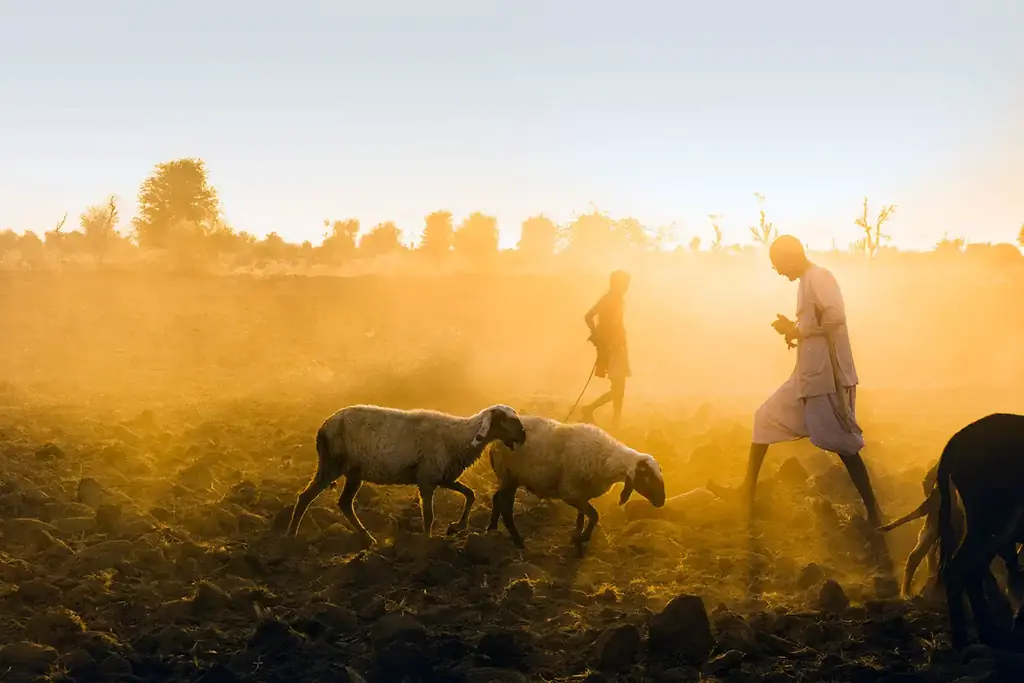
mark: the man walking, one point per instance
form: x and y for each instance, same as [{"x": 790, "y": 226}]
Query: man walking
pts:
[
  {"x": 818, "y": 400},
  {"x": 608, "y": 334}
]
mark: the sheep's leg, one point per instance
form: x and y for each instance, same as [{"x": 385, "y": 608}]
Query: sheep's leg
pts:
[
  {"x": 925, "y": 541},
  {"x": 315, "y": 487},
  {"x": 468, "y": 494},
  {"x": 580, "y": 538},
  {"x": 580, "y": 517},
  {"x": 345, "y": 500},
  {"x": 427, "y": 507},
  {"x": 495, "y": 511},
  {"x": 504, "y": 504}
]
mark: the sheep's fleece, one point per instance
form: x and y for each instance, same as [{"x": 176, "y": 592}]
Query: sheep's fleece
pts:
[
  {"x": 566, "y": 461},
  {"x": 391, "y": 446}
]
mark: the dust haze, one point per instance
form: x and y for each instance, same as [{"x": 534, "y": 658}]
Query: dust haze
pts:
[{"x": 157, "y": 425}]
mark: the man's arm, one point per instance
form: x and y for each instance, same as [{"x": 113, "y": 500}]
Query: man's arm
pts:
[
  {"x": 589, "y": 317},
  {"x": 828, "y": 303}
]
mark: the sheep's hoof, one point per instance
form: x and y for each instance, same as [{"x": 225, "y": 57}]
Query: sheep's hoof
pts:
[
  {"x": 455, "y": 528},
  {"x": 367, "y": 540}
]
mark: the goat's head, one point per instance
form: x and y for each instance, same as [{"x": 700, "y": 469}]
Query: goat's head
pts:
[
  {"x": 501, "y": 423},
  {"x": 645, "y": 477}
]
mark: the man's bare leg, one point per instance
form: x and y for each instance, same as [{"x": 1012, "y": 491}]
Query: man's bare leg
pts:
[
  {"x": 748, "y": 488},
  {"x": 610, "y": 396},
  {"x": 618, "y": 392},
  {"x": 859, "y": 475}
]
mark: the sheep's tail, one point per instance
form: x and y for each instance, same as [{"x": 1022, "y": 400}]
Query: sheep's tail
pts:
[
  {"x": 921, "y": 511},
  {"x": 946, "y": 540},
  {"x": 323, "y": 453}
]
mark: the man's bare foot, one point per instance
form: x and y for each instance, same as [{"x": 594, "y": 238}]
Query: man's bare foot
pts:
[
  {"x": 587, "y": 415},
  {"x": 723, "y": 492}
]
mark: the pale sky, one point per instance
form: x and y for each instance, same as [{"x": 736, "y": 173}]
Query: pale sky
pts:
[{"x": 305, "y": 110}]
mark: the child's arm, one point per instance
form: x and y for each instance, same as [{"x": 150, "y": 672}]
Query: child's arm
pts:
[{"x": 589, "y": 317}]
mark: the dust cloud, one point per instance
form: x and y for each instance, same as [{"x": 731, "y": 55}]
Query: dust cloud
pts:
[{"x": 156, "y": 427}]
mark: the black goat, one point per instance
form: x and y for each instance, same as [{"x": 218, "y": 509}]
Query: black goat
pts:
[{"x": 985, "y": 462}]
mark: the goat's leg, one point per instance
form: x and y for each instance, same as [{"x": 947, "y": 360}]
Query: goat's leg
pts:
[
  {"x": 316, "y": 486},
  {"x": 957, "y": 615},
  {"x": 467, "y": 493},
  {"x": 348, "y": 495},
  {"x": 925, "y": 542},
  {"x": 427, "y": 506},
  {"x": 1014, "y": 574},
  {"x": 972, "y": 568}
]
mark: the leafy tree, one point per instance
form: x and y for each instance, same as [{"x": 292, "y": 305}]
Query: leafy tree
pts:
[
  {"x": 945, "y": 245},
  {"x": 99, "y": 225},
  {"x": 629, "y": 232},
  {"x": 764, "y": 232},
  {"x": 538, "y": 237},
  {"x": 695, "y": 243},
  {"x": 272, "y": 248},
  {"x": 438, "y": 233},
  {"x": 8, "y": 243},
  {"x": 175, "y": 201},
  {"x": 477, "y": 236},
  {"x": 31, "y": 249},
  {"x": 385, "y": 238},
  {"x": 589, "y": 233},
  {"x": 221, "y": 239},
  {"x": 873, "y": 236},
  {"x": 339, "y": 244}
]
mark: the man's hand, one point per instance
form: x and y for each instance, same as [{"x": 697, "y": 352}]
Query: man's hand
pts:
[
  {"x": 787, "y": 328},
  {"x": 783, "y": 325}
]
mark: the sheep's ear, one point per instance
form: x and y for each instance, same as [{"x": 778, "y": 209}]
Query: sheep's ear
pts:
[
  {"x": 485, "y": 428},
  {"x": 627, "y": 491}
]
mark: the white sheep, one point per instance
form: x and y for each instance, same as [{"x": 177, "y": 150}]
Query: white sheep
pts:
[
  {"x": 574, "y": 463},
  {"x": 425, "y": 448}
]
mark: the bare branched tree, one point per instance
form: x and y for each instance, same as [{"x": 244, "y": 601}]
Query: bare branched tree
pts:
[
  {"x": 764, "y": 232},
  {"x": 873, "y": 236},
  {"x": 716, "y": 218}
]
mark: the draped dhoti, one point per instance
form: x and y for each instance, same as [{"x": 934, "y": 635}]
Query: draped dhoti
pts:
[{"x": 786, "y": 416}]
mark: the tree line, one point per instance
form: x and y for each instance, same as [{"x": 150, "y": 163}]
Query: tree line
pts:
[{"x": 179, "y": 213}]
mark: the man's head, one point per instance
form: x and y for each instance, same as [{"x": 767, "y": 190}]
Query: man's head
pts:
[
  {"x": 788, "y": 257},
  {"x": 619, "y": 281}
]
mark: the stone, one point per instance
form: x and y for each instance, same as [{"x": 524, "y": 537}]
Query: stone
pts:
[
  {"x": 682, "y": 630},
  {"x": 396, "y": 627},
  {"x": 617, "y": 648},
  {"x": 810, "y": 576},
  {"x": 831, "y": 597},
  {"x": 24, "y": 656}
]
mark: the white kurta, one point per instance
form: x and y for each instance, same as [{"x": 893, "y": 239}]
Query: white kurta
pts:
[{"x": 807, "y": 405}]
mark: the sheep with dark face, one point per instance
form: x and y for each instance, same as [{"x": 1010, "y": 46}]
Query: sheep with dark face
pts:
[
  {"x": 387, "y": 446},
  {"x": 574, "y": 463}
]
